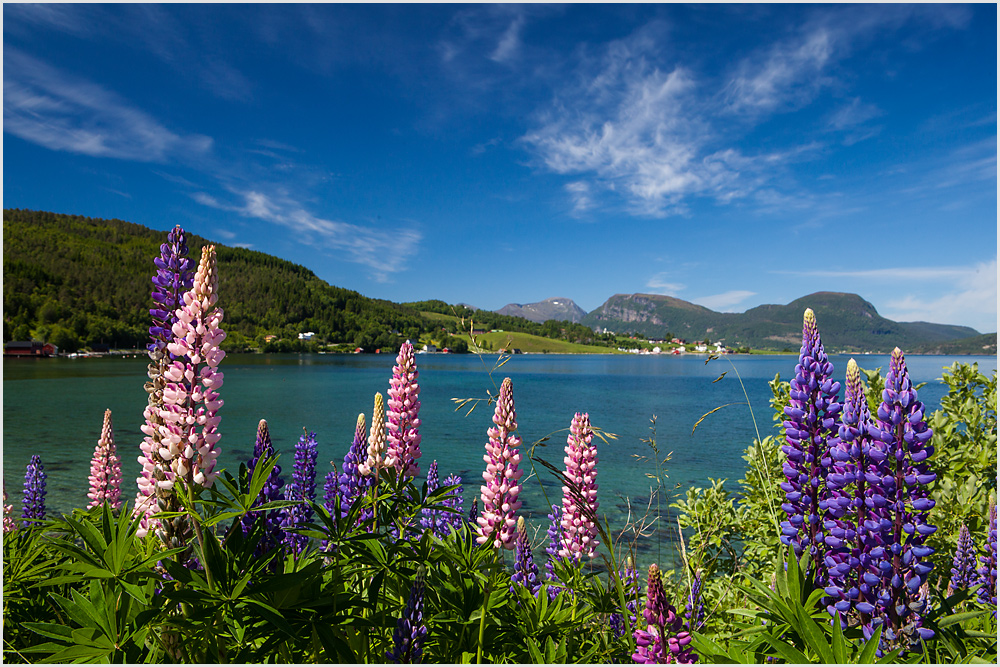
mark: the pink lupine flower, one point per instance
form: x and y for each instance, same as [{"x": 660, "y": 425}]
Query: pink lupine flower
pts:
[
  {"x": 579, "y": 506},
  {"x": 9, "y": 524},
  {"x": 376, "y": 441},
  {"x": 402, "y": 419},
  {"x": 501, "y": 488},
  {"x": 190, "y": 399},
  {"x": 105, "y": 469}
]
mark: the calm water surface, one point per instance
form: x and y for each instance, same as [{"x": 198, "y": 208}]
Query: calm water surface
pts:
[{"x": 54, "y": 407}]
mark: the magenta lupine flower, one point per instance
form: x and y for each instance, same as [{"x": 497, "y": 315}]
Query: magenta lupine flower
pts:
[
  {"x": 403, "y": 414},
  {"x": 900, "y": 504},
  {"x": 190, "y": 400},
  {"x": 663, "y": 640},
  {"x": 987, "y": 592},
  {"x": 9, "y": 524},
  {"x": 811, "y": 426},
  {"x": 502, "y": 475},
  {"x": 105, "y": 469},
  {"x": 375, "y": 459},
  {"x": 963, "y": 566},
  {"x": 579, "y": 505},
  {"x": 172, "y": 279}
]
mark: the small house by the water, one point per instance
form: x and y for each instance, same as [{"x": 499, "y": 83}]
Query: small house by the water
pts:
[{"x": 29, "y": 348}]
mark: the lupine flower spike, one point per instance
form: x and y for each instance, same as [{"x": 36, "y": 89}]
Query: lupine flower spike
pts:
[
  {"x": 375, "y": 459},
  {"x": 172, "y": 279},
  {"x": 812, "y": 415},
  {"x": 963, "y": 566},
  {"x": 694, "y": 609},
  {"x": 525, "y": 571},
  {"x": 272, "y": 491},
  {"x": 900, "y": 448},
  {"x": 579, "y": 505},
  {"x": 302, "y": 489},
  {"x": 663, "y": 640},
  {"x": 630, "y": 581},
  {"x": 452, "y": 521},
  {"x": 9, "y": 524},
  {"x": 402, "y": 417},
  {"x": 429, "y": 518},
  {"x": 502, "y": 475},
  {"x": 987, "y": 592},
  {"x": 353, "y": 484},
  {"x": 105, "y": 469},
  {"x": 33, "y": 504},
  {"x": 191, "y": 400},
  {"x": 408, "y": 637}
]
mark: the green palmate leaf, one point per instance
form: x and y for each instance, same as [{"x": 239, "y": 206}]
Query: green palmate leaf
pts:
[{"x": 50, "y": 630}]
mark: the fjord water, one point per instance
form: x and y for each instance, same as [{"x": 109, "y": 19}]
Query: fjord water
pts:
[{"x": 54, "y": 407}]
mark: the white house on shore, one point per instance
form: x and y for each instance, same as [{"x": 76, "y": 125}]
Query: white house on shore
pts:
[{"x": 308, "y": 335}]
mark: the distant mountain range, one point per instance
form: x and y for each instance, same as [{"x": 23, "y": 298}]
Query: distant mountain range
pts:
[
  {"x": 847, "y": 322},
  {"x": 556, "y": 308}
]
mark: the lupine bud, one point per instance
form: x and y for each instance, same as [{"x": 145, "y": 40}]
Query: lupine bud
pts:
[
  {"x": 408, "y": 637},
  {"x": 525, "y": 571},
  {"x": 402, "y": 416},
  {"x": 302, "y": 489},
  {"x": 812, "y": 413},
  {"x": 663, "y": 640},
  {"x": 33, "y": 505},
  {"x": 155, "y": 494},
  {"x": 375, "y": 459},
  {"x": 502, "y": 475},
  {"x": 105, "y": 469},
  {"x": 963, "y": 568},
  {"x": 191, "y": 401},
  {"x": 987, "y": 592},
  {"x": 272, "y": 491},
  {"x": 579, "y": 505},
  {"x": 9, "y": 524}
]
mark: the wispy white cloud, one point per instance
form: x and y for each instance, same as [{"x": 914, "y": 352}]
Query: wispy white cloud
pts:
[
  {"x": 579, "y": 192},
  {"x": 972, "y": 299},
  {"x": 784, "y": 76},
  {"x": 248, "y": 246},
  {"x": 48, "y": 107},
  {"x": 510, "y": 40},
  {"x": 724, "y": 302},
  {"x": 661, "y": 284},
  {"x": 383, "y": 251}
]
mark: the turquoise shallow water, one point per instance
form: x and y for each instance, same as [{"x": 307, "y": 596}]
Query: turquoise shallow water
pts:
[{"x": 54, "y": 407}]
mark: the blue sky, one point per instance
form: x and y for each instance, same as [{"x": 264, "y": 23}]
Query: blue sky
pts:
[{"x": 727, "y": 155}]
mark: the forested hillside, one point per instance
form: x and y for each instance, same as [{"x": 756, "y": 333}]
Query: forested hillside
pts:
[{"x": 77, "y": 281}]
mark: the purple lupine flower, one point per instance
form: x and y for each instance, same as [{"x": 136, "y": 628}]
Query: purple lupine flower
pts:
[
  {"x": 963, "y": 567},
  {"x": 694, "y": 608},
  {"x": 630, "y": 582},
  {"x": 502, "y": 475},
  {"x": 408, "y": 637},
  {"x": 525, "y": 572},
  {"x": 430, "y": 518},
  {"x": 375, "y": 454},
  {"x": 900, "y": 505},
  {"x": 9, "y": 524},
  {"x": 811, "y": 426},
  {"x": 331, "y": 491},
  {"x": 155, "y": 494},
  {"x": 554, "y": 534},
  {"x": 33, "y": 504},
  {"x": 105, "y": 469},
  {"x": 453, "y": 500},
  {"x": 850, "y": 535},
  {"x": 663, "y": 640},
  {"x": 352, "y": 484},
  {"x": 402, "y": 418},
  {"x": 987, "y": 592},
  {"x": 190, "y": 399},
  {"x": 302, "y": 488},
  {"x": 272, "y": 491},
  {"x": 579, "y": 505}
]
